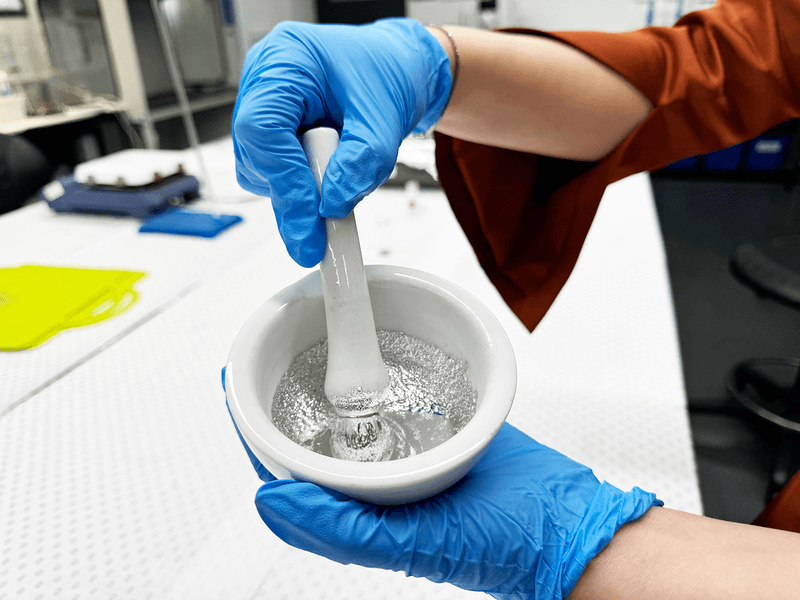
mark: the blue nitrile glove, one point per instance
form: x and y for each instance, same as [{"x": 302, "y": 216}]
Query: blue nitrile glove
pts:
[
  {"x": 523, "y": 523},
  {"x": 374, "y": 83}
]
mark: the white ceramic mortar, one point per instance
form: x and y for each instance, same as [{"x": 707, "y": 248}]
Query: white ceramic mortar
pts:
[{"x": 417, "y": 303}]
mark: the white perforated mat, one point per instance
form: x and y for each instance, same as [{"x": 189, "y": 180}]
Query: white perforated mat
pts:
[
  {"x": 174, "y": 265},
  {"x": 123, "y": 477}
]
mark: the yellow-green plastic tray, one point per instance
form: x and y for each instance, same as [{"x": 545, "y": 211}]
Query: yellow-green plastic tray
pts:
[{"x": 36, "y": 301}]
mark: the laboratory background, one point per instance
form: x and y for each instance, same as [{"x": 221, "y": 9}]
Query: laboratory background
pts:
[{"x": 664, "y": 363}]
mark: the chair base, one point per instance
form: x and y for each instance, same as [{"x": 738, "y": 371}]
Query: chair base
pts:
[{"x": 770, "y": 388}]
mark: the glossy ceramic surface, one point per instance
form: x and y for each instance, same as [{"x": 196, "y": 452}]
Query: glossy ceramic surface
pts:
[{"x": 417, "y": 303}]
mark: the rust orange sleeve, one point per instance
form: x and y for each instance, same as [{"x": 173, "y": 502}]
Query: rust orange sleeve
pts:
[
  {"x": 783, "y": 511},
  {"x": 718, "y": 77}
]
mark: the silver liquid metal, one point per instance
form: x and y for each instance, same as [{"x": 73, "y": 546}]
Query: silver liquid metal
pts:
[{"x": 429, "y": 399}]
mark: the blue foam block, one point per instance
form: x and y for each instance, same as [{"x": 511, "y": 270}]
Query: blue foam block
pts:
[
  {"x": 686, "y": 164},
  {"x": 727, "y": 159},
  {"x": 187, "y": 222},
  {"x": 766, "y": 153}
]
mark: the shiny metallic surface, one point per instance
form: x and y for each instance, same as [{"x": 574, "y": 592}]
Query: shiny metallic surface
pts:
[{"x": 429, "y": 399}]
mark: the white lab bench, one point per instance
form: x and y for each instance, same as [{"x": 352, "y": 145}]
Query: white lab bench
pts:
[{"x": 121, "y": 475}]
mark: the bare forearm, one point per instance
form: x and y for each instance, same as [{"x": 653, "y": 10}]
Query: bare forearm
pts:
[
  {"x": 672, "y": 555},
  {"x": 536, "y": 94}
]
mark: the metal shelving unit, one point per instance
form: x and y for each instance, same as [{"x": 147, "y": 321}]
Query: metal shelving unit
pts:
[
  {"x": 122, "y": 31},
  {"x": 206, "y": 102}
]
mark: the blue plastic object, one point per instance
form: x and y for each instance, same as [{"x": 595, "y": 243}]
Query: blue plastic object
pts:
[
  {"x": 67, "y": 195},
  {"x": 725, "y": 160},
  {"x": 523, "y": 523},
  {"x": 374, "y": 83},
  {"x": 187, "y": 222},
  {"x": 686, "y": 164},
  {"x": 765, "y": 153}
]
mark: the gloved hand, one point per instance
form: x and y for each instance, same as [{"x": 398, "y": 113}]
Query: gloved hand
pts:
[
  {"x": 523, "y": 523},
  {"x": 375, "y": 83}
]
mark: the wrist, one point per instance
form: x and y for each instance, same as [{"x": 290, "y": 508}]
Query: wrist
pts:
[
  {"x": 441, "y": 46},
  {"x": 440, "y": 66},
  {"x": 609, "y": 510},
  {"x": 670, "y": 554},
  {"x": 446, "y": 41}
]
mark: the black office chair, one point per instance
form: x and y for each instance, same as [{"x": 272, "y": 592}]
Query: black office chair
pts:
[
  {"x": 23, "y": 170},
  {"x": 770, "y": 387}
]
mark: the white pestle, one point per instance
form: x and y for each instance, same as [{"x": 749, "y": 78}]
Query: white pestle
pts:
[{"x": 355, "y": 375}]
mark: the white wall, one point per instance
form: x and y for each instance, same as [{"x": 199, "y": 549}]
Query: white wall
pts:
[
  {"x": 257, "y": 17},
  {"x": 603, "y": 15},
  {"x": 444, "y": 12},
  {"x": 553, "y": 15}
]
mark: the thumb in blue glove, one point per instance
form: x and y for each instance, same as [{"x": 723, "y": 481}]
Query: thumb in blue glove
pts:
[{"x": 375, "y": 83}]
